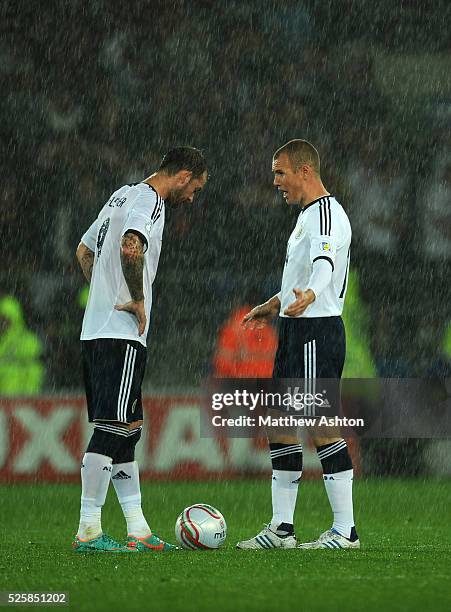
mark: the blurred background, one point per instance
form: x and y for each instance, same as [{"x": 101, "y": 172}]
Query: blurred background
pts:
[{"x": 94, "y": 93}]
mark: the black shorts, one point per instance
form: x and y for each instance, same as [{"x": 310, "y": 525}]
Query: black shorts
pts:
[
  {"x": 113, "y": 372},
  {"x": 310, "y": 348}
]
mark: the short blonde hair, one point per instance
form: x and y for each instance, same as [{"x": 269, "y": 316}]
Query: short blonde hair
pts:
[{"x": 300, "y": 152}]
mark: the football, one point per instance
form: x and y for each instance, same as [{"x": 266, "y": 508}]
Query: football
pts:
[{"x": 200, "y": 527}]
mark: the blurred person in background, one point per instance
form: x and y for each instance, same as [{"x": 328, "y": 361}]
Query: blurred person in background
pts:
[
  {"x": 377, "y": 189},
  {"x": 359, "y": 361},
  {"x": 244, "y": 353},
  {"x": 21, "y": 370},
  {"x": 435, "y": 210}
]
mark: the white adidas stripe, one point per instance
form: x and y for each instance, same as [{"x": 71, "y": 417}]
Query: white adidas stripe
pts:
[
  {"x": 310, "y": 372},
  {"x": 129, "y": 387},
  {"x": 124, "y": 371},
  {"x": 292, "y": 448},
  {"x": 120, "y": 431},
  {"x": 312, "y": 410},
  {"x": 338, "y": 446},
  {"x": 298, "y": 450},
  {"x": 325, "y": 455},
  {"x": 123, "y": 433},
  {"x": 126, "y": 381},
  {"x": 333, "y": 447},
  {"x": 286, "y": 452},
  {"x": 309, "y": 369},
  {"x": 335, "y": 444}
]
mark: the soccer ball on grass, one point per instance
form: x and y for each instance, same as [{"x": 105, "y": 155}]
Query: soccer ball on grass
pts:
[{"x": 200, "y": 527}]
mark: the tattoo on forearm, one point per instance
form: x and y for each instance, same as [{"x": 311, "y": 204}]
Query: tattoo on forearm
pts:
[
  {"x": 132, "y": 260},
  {"x": 87, "y": 263}
]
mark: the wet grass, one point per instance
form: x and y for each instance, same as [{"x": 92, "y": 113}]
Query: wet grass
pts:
[{"x": 404, "y": 563}]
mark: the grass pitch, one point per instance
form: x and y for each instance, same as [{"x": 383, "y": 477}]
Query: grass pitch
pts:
[{"x": 404, "y": 563}]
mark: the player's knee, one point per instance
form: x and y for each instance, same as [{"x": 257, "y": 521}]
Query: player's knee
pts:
[
  {"x": 321, "y": 440},
  {"x": 119, "y": 446},
  {"x": 126, "y": 452},
  {"x": 104, "y": 443},
  {"x": 280, "y": 434}
]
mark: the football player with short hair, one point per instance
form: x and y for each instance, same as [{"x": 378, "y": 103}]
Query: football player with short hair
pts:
[
  {"x": 311, "y": 344},
  {"x": 119, "y": 256}
]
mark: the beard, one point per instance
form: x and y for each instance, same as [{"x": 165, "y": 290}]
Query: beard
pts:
[{"x": 175, "y": 198}]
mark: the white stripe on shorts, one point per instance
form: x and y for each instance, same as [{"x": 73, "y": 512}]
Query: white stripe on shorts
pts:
[
  {"x": 310, "y": 373},
  {"x": 130, "y": 380},
  {"x": 312, "y": 411},
  {"x": 126, "y": 380}
]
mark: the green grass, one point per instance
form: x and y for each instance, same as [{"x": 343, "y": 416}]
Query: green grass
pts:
[{"x": 404, "y": 563}]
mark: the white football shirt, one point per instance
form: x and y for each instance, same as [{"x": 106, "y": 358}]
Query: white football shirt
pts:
[
  {"x": 322, "y": 231},
  {"x": 132, "y": 207}
]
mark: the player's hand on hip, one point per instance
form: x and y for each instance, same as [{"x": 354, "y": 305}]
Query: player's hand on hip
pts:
[
  {"x": 136, "y": 308},
  {"x": 303, "y": 299}
]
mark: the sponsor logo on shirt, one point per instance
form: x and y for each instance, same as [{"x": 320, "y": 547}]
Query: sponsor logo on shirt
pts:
[
  {"x": 148, "y": 227},
  {"x": 298, "y": 234}
]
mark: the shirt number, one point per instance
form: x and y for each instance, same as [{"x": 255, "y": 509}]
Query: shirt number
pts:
[{"x": 102, "y": 235}]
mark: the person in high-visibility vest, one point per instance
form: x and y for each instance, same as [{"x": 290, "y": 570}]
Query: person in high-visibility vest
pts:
[
  {"x": 447, "y": 342},
  {"x": 359, "y": 361},
  {"x": 21, "y": 370},
  {"x": 242, "y": 353},
  {"x": 83, "y": 297}
]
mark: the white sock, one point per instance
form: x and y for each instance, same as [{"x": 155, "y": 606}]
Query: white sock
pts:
[
  {"x": 95, "y": 478},
  {"x": 284, "y": 493},
  {"x": 339, "y": 491},
  {"x": 125, "y": 477}
]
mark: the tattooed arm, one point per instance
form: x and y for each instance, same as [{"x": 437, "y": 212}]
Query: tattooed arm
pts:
[
  {"x": 86, "y": 260},
  {"x": 132, "y": 261}
]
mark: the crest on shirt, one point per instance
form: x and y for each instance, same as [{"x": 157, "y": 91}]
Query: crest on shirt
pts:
[
  {"x": 299, "y": 232},
  {"x": 325, "y": 246}
]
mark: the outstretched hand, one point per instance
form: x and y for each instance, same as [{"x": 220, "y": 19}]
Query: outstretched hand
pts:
[
  {"x": 258, "y": 317},
  {"x": 302, "y": 301},
  {"x": 136, "y": 308}
]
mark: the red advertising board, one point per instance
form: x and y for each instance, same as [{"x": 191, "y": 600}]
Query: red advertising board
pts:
[{"x": 44, "y": 438}]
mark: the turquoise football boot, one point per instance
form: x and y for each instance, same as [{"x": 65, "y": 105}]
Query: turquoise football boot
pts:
[{"x": 102, "y": 544}]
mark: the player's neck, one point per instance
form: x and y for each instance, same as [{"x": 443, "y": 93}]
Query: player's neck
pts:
[
  {"x": 159, "y": 184},
  {"x": 317, "y": 191}
]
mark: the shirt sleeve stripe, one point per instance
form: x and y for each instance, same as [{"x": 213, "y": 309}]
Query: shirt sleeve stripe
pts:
[
  {"x": 157, "y": 210},
  {"x": 154, "y": 209},
  {"x": 325, "y": 217},
  {"x": 329, "y": 216}
]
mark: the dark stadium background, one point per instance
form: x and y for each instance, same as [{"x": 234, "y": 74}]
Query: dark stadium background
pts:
[{"x": 93, "y": 94}]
